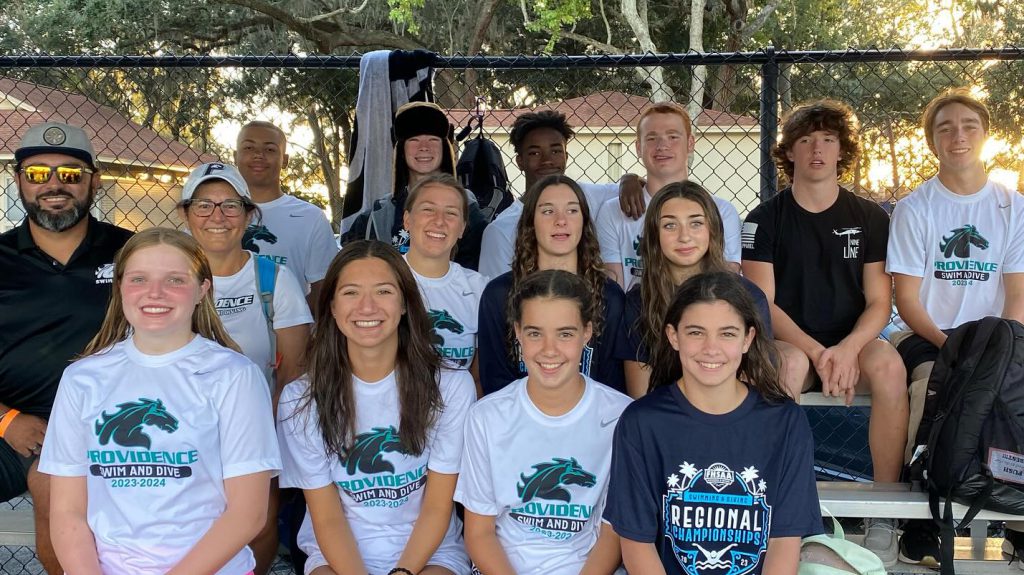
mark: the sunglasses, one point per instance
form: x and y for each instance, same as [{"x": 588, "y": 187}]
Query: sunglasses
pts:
[
  {"x": 40, "y": 174},
  {"x": 203, "y": 208}
]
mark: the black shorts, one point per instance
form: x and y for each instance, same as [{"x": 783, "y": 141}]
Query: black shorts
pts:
[
  {"x": 915, "y": 350},
  {"x": 13, "y": 472}
]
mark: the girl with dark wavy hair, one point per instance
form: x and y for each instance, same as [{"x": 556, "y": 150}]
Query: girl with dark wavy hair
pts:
[
  {"x": 682, "y": 236},
  {"x": 373, "y": 433},
  {"x": 556, "y": 231},
  {"x": 545, "y": 438},
  {"x": 161, "y": 442},
  {"x": 716, "y": 461}
]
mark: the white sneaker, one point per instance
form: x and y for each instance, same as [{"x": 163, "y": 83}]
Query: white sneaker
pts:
[{"x": 880, "y": 538}]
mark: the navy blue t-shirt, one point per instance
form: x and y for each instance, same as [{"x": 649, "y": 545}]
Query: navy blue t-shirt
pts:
[
  {"x": 601, "y": 358},
  {"x": 635, "y": 348},
  {"x": 710, "y": 490}
]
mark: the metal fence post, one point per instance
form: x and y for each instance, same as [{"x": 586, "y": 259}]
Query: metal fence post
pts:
[{"x": 769, "y": 120}]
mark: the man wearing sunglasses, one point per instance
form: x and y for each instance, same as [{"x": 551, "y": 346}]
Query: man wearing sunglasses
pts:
[{"x": 58, "y": 272}]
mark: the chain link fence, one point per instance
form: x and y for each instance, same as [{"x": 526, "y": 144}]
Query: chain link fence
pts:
[{"x": 153, "y": 118}]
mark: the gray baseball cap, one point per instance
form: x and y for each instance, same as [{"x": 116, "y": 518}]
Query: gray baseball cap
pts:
[
  {"x": 215, "y": 171},
  {"x": 55, "y": 138}
]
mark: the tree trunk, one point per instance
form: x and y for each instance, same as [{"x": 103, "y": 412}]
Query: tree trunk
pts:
[
  {"x": 700, "y": 73},
  {"x": 786, "y": 87},
  {"x": 635, "y": 14},
  {"x": 892, "y": 158},
  {"x": 327, "y": 165}
]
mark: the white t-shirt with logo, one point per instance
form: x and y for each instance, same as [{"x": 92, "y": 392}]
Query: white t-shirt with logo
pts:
[
  {"x": 241, "y": 311},
  {"x": 544, "y": 478},
  {"x": 295, "y": 233},
  {"x": 960, "y": 246},
  {"x": 499, "y": 241},
  {"x": 453, "y": 304},
  {"x": 620, "y": 236},
  {"x": 156, "y": 436},
  {"x": 381, "y": 488}
]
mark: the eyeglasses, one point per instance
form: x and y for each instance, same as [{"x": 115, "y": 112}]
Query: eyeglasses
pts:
[
  {"x": 203, "y": 208},
  {"x": 40, "y": 174}
]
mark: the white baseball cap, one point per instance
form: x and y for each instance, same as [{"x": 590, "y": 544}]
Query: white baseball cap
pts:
[{"x": 215, "y": 171}]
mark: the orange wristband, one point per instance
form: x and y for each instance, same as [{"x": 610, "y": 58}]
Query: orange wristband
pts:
[{"x": 6, "y": 420}]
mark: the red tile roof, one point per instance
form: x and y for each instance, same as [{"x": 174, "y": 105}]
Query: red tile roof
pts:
[
  {"x": 115, "y": 138},
  {"x": 599, "y": 110}
]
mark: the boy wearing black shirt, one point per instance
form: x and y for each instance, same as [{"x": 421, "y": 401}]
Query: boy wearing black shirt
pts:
[{"x": 818, "y": 253}]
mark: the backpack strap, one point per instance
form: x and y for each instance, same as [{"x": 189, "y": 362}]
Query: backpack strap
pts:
[{"x": 266, "y": 281}]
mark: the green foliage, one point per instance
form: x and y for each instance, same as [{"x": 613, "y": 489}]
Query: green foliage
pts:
[{"x": 403, "y": 13}]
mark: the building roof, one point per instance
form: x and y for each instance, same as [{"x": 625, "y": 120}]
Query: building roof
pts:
[
  {"x": 116, "y": 138},
  {"x": 600, "y": 110}
]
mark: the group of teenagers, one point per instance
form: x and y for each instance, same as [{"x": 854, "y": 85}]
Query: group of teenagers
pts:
[{"x": 615, "y": 390}]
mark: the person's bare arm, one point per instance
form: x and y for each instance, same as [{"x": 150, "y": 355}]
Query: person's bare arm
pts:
[
  {"x": 782, "y": 556},
  {"x": 631, "y": 196},
  {"x": 333, "y": 534},
  {"x": 242, "y": 519},
  {"x": 474, "y": 370},
  {"x": 73, "y": 541},
  {"x": 291, "y": 348},
  {"x": 614, "y": 271},
  {"x": 1013, "y": 306},
  {"x": 25, "y": 433},
  {"x": 638, "y": 378},
  {"x": 912, "y": 312},
  {"x": 314, "y": 292},
  {"x": 483, "y": 546},
  {"x": 641, "y": 557},
  {"x": 432, "y": 522},
  {"x": 606, "y": 555}
]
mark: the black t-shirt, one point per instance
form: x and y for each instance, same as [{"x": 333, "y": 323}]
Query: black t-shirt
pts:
[
  {"x": 600, "y": 359},
  {"x": 818, "y": 258},
  {"x": 708, "y": 489},
  {"x": 635, "y": 350},
  {"x": 49, "y": 312}
]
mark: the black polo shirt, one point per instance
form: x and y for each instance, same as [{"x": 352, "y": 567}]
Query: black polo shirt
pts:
[{"x": 49, "y": 311}]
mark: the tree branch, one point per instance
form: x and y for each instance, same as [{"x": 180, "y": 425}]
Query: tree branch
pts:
[
  {"x": 602, "y": 46},
  {"x": 755, "y": 23},
  {"x": 334, "y": 13},
  {"x": 607, "y": 26},
  {"x": 325, "y": 34},
  {"x": 483, "y": 22}
]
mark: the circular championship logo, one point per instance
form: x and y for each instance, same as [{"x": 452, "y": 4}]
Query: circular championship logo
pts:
[{"x": 54, "y": 136}]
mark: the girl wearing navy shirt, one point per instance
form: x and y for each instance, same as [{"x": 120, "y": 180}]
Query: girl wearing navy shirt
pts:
[
  {"x": 555, "y": 232},
  {"x": 713, "y": 469},
  {"x": 682, "y": 237}
]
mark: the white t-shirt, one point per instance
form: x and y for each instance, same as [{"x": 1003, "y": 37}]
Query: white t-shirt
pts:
[
  {"x": 240, "y": 310},
  {"x": 960, "y": 246},
  {"x": 295, "y": 233},
  {"x": 620, "y": 236},
  {"x": 499, "y": 241},
  {"x": 156, "y": 436},
  {"x": 544, "y": 478},
  {"x": 381, "y": 489},
  {"x": 453, "y": 304}
]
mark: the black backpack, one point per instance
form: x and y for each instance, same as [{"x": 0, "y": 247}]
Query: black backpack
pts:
[
  {"x": 481, "y": 169},
  {"x": 973, "y": 425}
]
